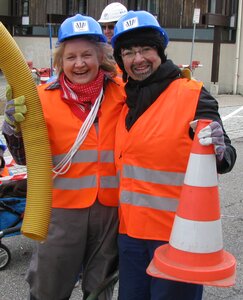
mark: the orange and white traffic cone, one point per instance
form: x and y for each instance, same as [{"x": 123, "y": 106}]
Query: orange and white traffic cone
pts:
[{"x": 195, "y": 252}]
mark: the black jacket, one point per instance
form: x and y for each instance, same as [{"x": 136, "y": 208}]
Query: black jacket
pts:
[{"x": 141, "y": 95}]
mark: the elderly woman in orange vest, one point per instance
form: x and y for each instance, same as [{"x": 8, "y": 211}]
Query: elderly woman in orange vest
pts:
[
  {"x": 152, "y": 150},
  {"x": 81, "y": 109}
]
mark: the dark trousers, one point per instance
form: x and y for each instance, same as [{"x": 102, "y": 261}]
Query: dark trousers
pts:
[{"x": 134, "y": 257}]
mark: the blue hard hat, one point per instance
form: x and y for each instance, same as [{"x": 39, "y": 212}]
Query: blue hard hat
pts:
[
  {"x": 80, "y": 25},
  {"x": 135, "y": 20}
]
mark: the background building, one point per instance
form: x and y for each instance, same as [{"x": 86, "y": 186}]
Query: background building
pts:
[{"x": 217, "y": 35}]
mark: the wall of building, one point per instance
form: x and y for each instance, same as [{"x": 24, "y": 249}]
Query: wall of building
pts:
[
  {"x": 240, "y": 73},
  {"x": 240, "y": 58},
  {"x": 180, "y": 52},
  {"x": 37, "y": 49},
  {"x": 4, "y": 7}
]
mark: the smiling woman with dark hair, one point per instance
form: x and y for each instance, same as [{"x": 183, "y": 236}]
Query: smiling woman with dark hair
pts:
[{"x": 153, "y": 143}]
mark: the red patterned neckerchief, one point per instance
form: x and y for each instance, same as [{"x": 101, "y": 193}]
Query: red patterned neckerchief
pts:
[{"x": 81, "y": 97}]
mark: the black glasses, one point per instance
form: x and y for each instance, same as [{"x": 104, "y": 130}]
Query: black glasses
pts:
[
  {"x": 110, "y": 27},
  {"x": 145, "y": 51}
]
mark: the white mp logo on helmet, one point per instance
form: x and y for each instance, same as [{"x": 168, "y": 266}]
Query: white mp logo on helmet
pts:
[
  {"x": 130, "y": 23},
  {"x": 80, "y": 26}
]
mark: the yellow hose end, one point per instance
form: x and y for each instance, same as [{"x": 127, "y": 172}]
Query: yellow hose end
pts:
[
  {"x": 35, "y": 136},
  {"x": 186, "y": 73}
]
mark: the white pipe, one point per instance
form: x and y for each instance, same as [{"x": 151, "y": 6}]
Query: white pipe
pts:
[{"x": 238, "y": 37}]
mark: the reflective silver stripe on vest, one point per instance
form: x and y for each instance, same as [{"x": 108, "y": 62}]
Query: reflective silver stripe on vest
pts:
[
  {"x": 80, "y": 156},
  {"x": 75, "y": 183},
  {"x": 144, "y": 200},
  {"x": 109, "y": 182},
  {"x": 153, "y": 176},
  {"x": 107, "y": 156}
]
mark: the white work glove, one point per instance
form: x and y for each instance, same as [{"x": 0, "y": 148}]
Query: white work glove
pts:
[
  {"x": 212, "y": 135},
  {"x": 15, "y": 110}
]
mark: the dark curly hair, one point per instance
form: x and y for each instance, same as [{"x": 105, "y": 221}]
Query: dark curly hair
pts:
[{"x": 138, "y": 37}]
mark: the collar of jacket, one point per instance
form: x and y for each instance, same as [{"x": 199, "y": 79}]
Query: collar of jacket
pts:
[{"x": 56, "y": 84}]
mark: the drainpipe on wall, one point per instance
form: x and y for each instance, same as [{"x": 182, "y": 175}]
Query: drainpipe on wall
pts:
[{"x": 238, "y": 37}]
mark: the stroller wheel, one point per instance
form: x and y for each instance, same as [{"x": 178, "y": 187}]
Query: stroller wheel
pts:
[{"x": 5, "y": 256}]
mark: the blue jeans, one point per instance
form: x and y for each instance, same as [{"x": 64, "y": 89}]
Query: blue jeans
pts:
[{"x": 134, "y": 283}]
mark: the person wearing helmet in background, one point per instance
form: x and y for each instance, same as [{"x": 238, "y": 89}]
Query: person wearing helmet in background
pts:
[
  {"x": 81, "y": 109},
  {"x": 109, "y": 16},
  {"x": 153, "y": 142}
]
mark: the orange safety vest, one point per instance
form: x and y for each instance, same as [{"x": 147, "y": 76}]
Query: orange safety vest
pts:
[
  {"x": 119, "y": 71},
  {"x": 4, "y": 172},
  {"x": 92, "y": 172},
  {"x": 152, "y": 159}
]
